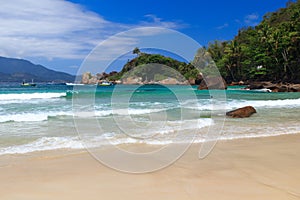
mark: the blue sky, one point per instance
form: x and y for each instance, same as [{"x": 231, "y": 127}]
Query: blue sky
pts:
[{"x": 59, "y": 34}]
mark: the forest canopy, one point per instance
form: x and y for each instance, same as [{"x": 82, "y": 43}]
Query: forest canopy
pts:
[{"x": 269, "y": 51}]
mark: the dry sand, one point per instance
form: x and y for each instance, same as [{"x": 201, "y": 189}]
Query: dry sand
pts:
[{"x": 261, "y": 168}]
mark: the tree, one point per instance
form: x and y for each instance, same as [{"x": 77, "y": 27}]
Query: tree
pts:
[
  {"x": 273, "y": 45},
  {"x": 137, "y": 51}
]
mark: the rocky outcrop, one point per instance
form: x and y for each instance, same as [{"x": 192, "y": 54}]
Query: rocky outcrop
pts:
[
  {"x": 213, "y": 83},
  {"x": 170, "y": 81},
  {"x": 86, "y": 78},
  {"x": 237, "y": 83},
  {"x": 242, "y": 112},
  {"x": 132, "y": 80},
  {"x": 295, "y": 88},
  {"x": 139, "y": 81},
  {"x": 278, "y": 87}
]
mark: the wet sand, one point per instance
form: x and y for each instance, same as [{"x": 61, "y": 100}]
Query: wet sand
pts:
[{"x": 260, "y": 168}]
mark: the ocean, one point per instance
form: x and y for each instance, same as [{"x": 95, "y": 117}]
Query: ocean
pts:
[{"x": 51, "y": 117}]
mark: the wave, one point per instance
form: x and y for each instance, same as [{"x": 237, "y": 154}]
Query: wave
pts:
[
  {"x": 29, "y": 96},
  {"x": 233, "y": 104},
  {"x": 245, "y": 136},
  {"x": 44, "y": 144},
  {"x": 164, "y": 129},
  {"x": 127, "y": 112},
  {"x": 164, "y": 138},
  {"x": 76, "y": 142},
  {"x": 289, "y": 103},
  {"x": 106, "y": 112},
  {"x": 44, "y": 116},
  {"x": 32, "y": 117}
]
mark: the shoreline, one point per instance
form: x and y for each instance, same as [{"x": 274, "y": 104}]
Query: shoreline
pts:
[
  {"x": 255, "y": 168},
  {"x": 196, "y": 141}
]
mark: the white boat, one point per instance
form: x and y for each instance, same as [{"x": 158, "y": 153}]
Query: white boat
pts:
[
  {"x": 25, "y": 84},
  {"x": 263, "y": 90},
  {"x": 105, "y": 83}
]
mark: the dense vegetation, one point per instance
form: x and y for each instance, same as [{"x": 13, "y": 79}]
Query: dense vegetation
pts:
[
  {"x": 156, "y": 72},
  {"x": 270, "y": 51}
]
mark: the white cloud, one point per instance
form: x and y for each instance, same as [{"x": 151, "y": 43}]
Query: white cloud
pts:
[
  {"x": 252, "y": 19},
  {"x": 153, "y": 20},
  {"x": 57, "y": 29},
  {"x": 223, "y": 26}
]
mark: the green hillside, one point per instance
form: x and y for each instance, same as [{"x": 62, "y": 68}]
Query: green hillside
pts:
[
  {"x": 270, "y": 51},
  {"x": 164, "y": 67}
]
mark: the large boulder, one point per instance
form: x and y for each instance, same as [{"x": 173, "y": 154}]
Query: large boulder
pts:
[
  {"x": 213, "y": 83},
  {"x": 241, "y": 112},
  {"x": 86, "y": 78}
]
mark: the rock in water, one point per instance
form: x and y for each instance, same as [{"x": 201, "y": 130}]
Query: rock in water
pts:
[
  {"x": 213, "y": 83},
  {"x": 241, "y": 112}
]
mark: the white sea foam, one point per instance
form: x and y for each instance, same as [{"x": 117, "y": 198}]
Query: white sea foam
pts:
[
  {"x": 74, "y": 142},
  {"x": 264, "y": 103},
  {"x": 160, "y": 132},
  {"x": 245, "y": 136},
  {"x": 232, "y": 104},
  {"x": 43, "y": 144},
  {"x": 31, "y": 117},
  {"x": 43, "y": 116},
  {"x": 53, "y": 143},
  {"x": 29, "y": 96},
  {"x": 129, "y": 111}
]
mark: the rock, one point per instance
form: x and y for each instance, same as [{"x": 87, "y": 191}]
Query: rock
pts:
[
  {"x": 213, "y": 83},
  {"x": 192, "y": 81},
  {"x": 237, "y": 83},
  {"x": 260, "y": 85},
  {"x": 241, "y": 112},
  {"x": 118, "y": 82},
  {"x": 278, "y": 87},
  {"x": 132, "y": 80},
  {"x": 255, "y": 86},
  {"x": 294, "y": 88},
  {"x": 101, "y": 76},
  {"x": 233, "y": 83},
  {"x": 86, "y": 78},
  {"x": 169, "y": 81},
  {"x": 283, "y": 88},
  {"x": 241, "y": 83},
  {"x": 93, "y": 80},
  {"x": 199, "y": 79}
]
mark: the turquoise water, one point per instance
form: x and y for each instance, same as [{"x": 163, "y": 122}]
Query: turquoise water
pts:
[{"x": 50, "y": 117}]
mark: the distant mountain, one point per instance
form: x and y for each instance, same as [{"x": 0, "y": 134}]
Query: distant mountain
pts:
[{"x": 17, "y": 70}]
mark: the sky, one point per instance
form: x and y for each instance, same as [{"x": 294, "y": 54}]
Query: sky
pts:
[{"x": 60, "y": 34}]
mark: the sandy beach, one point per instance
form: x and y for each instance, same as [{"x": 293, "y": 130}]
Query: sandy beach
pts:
[{"x": 260, "y": 168}]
